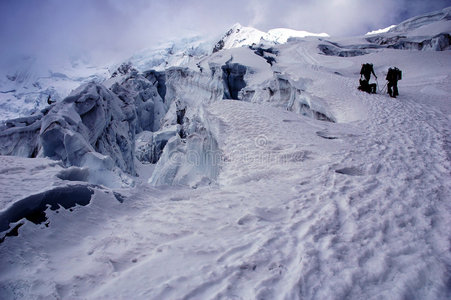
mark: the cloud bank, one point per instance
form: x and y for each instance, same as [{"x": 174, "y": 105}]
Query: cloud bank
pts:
[{"x": 108, "y": 29}]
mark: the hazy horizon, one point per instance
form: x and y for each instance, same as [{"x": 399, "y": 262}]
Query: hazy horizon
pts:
[{"x": 102, "y": 30}]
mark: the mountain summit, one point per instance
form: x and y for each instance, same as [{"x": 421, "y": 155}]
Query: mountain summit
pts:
[{"x": 238, "y": 36}]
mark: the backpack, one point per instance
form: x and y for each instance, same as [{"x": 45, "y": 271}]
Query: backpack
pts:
[
  {"x": 394, "y": 74},
  {"x": 398, "y": 74}
]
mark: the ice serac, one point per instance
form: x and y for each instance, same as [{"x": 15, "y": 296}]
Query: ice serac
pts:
[
  {"x": 150, "y": 145},
  {"x": 159, "y": 80},
  {"x": 194, "y": 160},
  {"x": 20, "y": 137},
  {"x": 185, "y": 146},
  {"x": 89, "y": 128},
  {"x": 281, "y": 91},
  {"x": 233, "y": 76},
  {"x": 140, "y": 94},
  {"x": 192, "y": 87},
  {"x": 334, "y": 49}
]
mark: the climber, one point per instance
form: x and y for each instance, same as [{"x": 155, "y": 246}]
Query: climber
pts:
[
  {"x": 394, "y": 74},
  {"x": 365, "y": 72},
  {"x": 367, "y": 87}
]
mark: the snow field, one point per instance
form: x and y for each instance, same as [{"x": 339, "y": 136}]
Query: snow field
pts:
[{"x": 300, "y": 209}]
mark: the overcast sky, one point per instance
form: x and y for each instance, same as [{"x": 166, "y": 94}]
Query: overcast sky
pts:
[{"x": 103, "y": 29}]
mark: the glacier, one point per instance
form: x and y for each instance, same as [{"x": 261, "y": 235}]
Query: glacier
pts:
[{"x": 248, "y": 167}]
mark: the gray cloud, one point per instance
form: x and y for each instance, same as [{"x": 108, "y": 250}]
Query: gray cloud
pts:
[
  {"x": 338, "y": 17},
  {"x": 109, "y": 29}
]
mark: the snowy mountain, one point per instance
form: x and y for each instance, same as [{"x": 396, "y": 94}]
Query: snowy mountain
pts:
[
  {"x": 428, "y": 24},
  {"x": 426, "y": 32},
  {"x": 249, "y": 168},
  {"x": 26, "y": 85},
  {"x": 239, "y": 36}
]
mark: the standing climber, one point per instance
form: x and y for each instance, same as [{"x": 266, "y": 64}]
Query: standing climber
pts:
[
  {"x": 394, "y": 74},
  {"x": 365, "y": 72}
]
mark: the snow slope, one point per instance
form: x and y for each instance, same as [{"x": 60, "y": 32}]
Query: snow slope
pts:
[{"x": 300, "y": 208}]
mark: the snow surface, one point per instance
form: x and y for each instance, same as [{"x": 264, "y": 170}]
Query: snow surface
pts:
[{"x": 267, "y": 202}]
